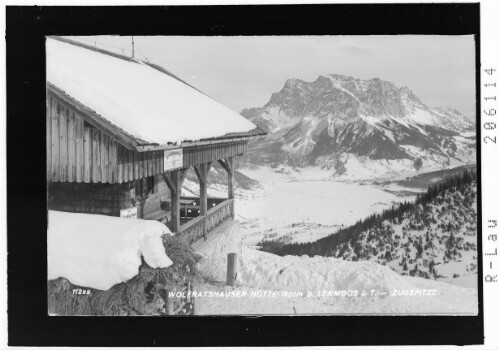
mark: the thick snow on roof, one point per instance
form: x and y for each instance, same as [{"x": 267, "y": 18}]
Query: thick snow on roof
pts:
[
  {"x": 99, "y": 251},
  {"x": 138, "y": 98}
]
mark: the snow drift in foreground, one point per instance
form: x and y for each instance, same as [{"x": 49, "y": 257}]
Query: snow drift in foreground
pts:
[
  {"x": 99, "y": 251},
  {"x": 260, "y": 271}
]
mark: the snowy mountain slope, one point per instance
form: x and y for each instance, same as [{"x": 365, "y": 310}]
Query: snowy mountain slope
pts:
[
  {"x": 435, "y": 240},
  {"x": 337, "y": 121},
  {"x": 277, "y": 281}
]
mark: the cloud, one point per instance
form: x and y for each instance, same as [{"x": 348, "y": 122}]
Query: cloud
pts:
[{"x": 355, "y": 51}]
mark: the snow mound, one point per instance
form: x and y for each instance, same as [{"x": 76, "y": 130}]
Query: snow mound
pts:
[
  {"x": 100, "y": 251},
  {"x": 314, "y": 276},
  {"x": 265, "y": 270}
]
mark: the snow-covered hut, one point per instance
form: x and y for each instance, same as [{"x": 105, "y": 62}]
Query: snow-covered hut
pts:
[{"x": 121, "y": 134}]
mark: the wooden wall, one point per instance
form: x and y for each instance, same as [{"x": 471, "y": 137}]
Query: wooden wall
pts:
[
  {"x": 196, "y": 155},
  {"x": 108, "y": 199},
  {"x": 104, "y": 199},
  {"x": 79, "y": 152}
]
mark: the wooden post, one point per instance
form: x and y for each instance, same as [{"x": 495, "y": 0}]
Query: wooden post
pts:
[
  {"x": 174, "y": 181},
  {"x": 169, "y": 304},
  {"x": 202, "y": 174},
  {"x": 141, "y": 196},
  {"x": 176, "y": 202},
  {"x": 227, "y": 164},
  {"x": 193, "y": 287},
  {"x": 194, "y": 306},
  {"x": 202, "y": 171},
  {"x": 231, "y": 269},
  {"x": 230, "y": 175},
  {"x": 142, "y": 202}
]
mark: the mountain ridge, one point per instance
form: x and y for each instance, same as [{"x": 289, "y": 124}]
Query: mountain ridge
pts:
[{"x": 335, "y": 118}]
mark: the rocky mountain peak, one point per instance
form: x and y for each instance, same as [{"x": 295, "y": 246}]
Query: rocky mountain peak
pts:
[
  {"x": 321, "y": 121},
  {"x": 374, "y": 97}
]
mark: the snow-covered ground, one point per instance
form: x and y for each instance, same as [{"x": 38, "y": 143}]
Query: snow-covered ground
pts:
[
  {"x": 269, "y": 284},
  {"x": 301, "y": 206},
  {"x": 304, "y": 205}
]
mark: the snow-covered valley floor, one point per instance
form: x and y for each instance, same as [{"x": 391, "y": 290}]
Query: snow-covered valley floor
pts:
[{"x": 302, "y": 206}]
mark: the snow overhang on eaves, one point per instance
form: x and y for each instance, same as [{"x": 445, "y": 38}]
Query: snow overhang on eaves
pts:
[
  {"x": 141, "y": 105},
  {"x": 133, "y": 143}
]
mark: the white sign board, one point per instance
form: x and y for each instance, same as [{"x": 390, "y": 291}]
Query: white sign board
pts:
[
  {"x": 174, "y": 159},
  {"x": 129, "y": 213}
]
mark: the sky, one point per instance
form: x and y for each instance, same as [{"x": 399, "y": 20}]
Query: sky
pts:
[{"x": 243, "y": 72}]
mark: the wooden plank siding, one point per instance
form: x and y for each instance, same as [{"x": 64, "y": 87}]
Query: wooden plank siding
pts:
[
  {"x": 87, "y": 141},
  {"x": 49, "y": 143},
  {"x": 71, "y": 144},
  {"x": 63, "y": 143},
  {"x": 196, "y": 155},
  {"x": 80, "y": 152},
  {"x": 95, "y": 155},
  {"x": 54, "y": 141},
  {"x": 113, "y": 162}
]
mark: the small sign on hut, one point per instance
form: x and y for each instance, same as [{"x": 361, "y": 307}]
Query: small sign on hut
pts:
[
  {"x": 173, "y": 159},
  {"x": 129, "y": 213}
]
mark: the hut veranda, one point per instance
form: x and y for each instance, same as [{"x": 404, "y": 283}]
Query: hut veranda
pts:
[{"x": 121, "y": 134}]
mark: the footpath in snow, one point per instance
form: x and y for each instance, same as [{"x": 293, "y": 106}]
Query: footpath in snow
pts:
[{"x": 270, "y": 284}]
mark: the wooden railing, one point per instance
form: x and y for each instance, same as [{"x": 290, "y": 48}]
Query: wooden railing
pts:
[
  {"x": 195, "y": 229},
  {"x": 192, "y": 230},
  {"x": 219, "y": 214}
]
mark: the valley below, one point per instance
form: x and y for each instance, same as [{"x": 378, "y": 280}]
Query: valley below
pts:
[
  {"x": 299, "y": 205},
  {"x": 289, "y": 205},
  {"x": 304, "y": 205},
  {"x": 355, "y": 180}
]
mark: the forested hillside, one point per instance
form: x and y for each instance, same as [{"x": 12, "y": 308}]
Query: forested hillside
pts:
[{"x": 434, "y": 237}]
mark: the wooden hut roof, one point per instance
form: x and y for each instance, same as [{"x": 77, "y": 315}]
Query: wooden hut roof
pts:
[{"x": 141, "y": 104}]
